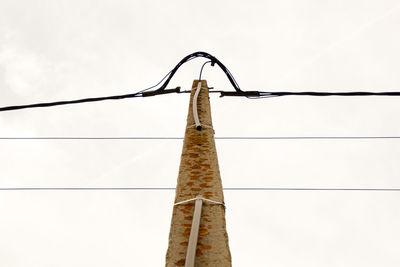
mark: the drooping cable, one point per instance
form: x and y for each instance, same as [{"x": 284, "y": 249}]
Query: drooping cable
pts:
[
  {"x": 213, "y": 60},
  {"x": 58, "y": 103},
  {"x": 85, "y": 100},
  {"x": 143, "y": 93}
]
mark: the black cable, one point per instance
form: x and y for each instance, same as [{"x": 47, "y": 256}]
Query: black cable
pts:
[
  {"x": 248, "y": 94},
  {"x": 141, "y": 93},
  {"x": 271, "y": 94},
  {"x": 217, "y": 137},
  {"x": 201, "y": 70},
  {"x": 260, "y": 94},
  {"x": 157, "y": 83},
  {"x": 85, "y": 100},
  {"x": 173, "y": 188},
  {"x": 49, "y": 104},
  {"x": 213, "y": 60}
]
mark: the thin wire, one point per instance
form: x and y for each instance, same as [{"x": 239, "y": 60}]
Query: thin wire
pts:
[
  {"x": 157, "y": 83},
  {"x": 161, "y": 80},
  {"x": 218, "y": 138},
  {"x": 81, "y": 188},
  {"x": 173, "y": 188}
]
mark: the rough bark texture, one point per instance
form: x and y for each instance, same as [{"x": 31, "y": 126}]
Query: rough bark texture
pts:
[{"x": 199, "y": 175}]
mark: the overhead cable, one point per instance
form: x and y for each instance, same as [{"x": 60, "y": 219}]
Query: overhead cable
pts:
[
  {"x": 217, "y": 137},
  {"x": 58, "y": 103},
  {"x": 92, "y": 99},
  {"x": 214, "y": 61},
  {"x": 173, "y": 188},
  {"x": 276, "y": 94}
]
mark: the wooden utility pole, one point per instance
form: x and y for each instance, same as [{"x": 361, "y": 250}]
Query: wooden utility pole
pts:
[{"x": 198, "y": 234}]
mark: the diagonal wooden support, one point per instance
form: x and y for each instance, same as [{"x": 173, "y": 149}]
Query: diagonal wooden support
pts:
[{"x": 199, "y": 176}]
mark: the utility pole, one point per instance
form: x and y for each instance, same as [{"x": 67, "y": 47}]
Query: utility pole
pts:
[{"x": 198, "y": 234}]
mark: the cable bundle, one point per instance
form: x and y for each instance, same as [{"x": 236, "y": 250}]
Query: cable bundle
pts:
[{"x": 213, "y": 60}]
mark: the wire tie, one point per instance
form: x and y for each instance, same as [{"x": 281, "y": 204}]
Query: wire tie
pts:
[{"x": 201, "y": 198}]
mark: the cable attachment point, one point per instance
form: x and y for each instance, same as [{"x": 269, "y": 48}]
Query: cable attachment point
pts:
[{"x": 162, "y": 92}]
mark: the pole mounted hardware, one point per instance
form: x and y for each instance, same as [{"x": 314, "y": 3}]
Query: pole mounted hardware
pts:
[
  {"x": 163, "y": 92},
  {"x": 213, "y": 60}
]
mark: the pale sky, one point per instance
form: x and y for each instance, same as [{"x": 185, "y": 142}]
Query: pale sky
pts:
[{"x": 55, "y": 50}]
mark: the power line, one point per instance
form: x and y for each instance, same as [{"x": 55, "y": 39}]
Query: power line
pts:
[
  {"x": 142, "y": 93},
  {"x": 217, "y": 137},
  {"x": 213, "y": 60},
  {"x": 68, "y": 102},
  {"x": 269, "y": 94},
  {"x": 173, "y": 188},
  {"x": 84, "y": 100},
  {"x": 266, "y": 94}
]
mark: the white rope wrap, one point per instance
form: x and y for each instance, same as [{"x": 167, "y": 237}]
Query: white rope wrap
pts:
[{"x": 201, "y": 198}]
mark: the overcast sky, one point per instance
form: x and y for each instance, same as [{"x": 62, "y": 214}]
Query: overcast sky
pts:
[{"x": 55, "y": 50}]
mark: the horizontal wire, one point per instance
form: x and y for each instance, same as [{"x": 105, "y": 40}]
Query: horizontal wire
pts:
[
  {"x": 83, "y": 100},
  {"x": 81, "y": 188},
  {"x": 173, "y": 188},
  {"x": 309, "y": 93},
  {"x": 217, "y": 137},
  {"x": 169, "y": 75},
  {"x": 68, "y": 102}
]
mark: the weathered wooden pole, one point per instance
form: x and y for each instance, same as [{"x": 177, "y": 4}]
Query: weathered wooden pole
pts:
[{"x": 198, "y": 234}]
